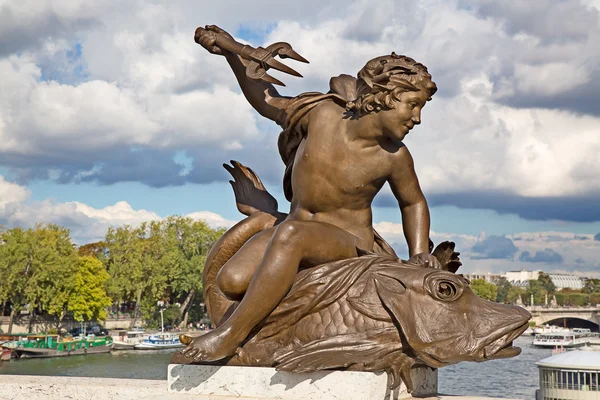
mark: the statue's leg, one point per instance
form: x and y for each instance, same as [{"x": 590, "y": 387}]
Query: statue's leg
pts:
[
  {"x": 294, "y": 244},
  {"x": 235, "y": 276}
]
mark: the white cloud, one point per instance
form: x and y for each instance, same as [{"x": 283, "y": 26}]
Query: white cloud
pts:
[
  {"x": 87, "y": 224},
  {"x": 142, "y": 81},
  {"x": 212, "y": 219}
]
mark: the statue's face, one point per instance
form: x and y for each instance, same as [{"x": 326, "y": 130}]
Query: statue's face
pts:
[{"x": 398, "y": 122}]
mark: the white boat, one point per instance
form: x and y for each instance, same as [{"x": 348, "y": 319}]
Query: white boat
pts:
[
  {"x": 571, "y": 375},
  {"x": 561, "y": 339},
  {"x": 548, "y": 329},
  {"x": 126, "y": 340},
  {"x": 160, "y": 341}
]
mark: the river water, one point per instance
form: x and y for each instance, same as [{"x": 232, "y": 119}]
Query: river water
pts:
[{"x": 515, "y": 378}]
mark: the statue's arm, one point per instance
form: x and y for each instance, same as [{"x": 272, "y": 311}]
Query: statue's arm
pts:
[
  {"x": 261, "y": 95},
  {"x": 413, "y": 205}
]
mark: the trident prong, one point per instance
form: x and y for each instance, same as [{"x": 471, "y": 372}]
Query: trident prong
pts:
[{"x": 259, "y": 59}]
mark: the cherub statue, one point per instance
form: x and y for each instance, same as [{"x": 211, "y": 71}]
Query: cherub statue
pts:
[{"x": 339, "y": 148}]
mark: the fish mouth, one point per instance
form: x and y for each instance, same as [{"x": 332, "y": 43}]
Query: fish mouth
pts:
[{"x": 502, "y": 347}]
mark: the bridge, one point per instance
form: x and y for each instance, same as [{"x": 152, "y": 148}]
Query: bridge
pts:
[{"x": 571, "y": 317}]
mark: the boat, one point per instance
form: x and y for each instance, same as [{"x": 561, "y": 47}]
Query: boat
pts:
[
  {"x": 548, "y": 329},
  {"x": 570, "y": 375},
  {"x": 160, "y": 341},
  {"x": 561, "y": 339},
  {"x": 126, "y": 340},
  {"x": 5, "y": 354},
  {"x": 38, "y": 346}
]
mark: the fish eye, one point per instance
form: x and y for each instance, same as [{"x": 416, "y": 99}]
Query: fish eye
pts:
[
  {"x": 446, "y": 290},
  {"x": 443, "y": 287}
]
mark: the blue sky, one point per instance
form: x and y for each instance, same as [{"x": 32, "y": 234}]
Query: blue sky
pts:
[{"x": 111, "y": 114}]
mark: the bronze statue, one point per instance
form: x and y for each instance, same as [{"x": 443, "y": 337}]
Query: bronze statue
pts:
[{"x": 318, "y": 288}]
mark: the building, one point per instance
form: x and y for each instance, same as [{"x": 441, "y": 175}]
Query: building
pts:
[
  {"x": 574, "y": 375},
  {"x": 560, "y": 281},
  {"x": 521, "y": 278},
  {"x": 489, "y": 277},
  {"x": 563, "y": 281}
]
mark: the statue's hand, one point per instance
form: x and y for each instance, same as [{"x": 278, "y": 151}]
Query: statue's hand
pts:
[
  {"x": 207, "y": 38},
  {"x": 427, "y": 260}
]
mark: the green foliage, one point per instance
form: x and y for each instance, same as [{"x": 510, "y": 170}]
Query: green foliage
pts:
[
  {"x": 484, "y": 289},
  {"x": 572, "y": 298},
  {"x": 159, "y": 260},
  {"x": 546, "y": 282},
  {"x": 37, "y": 266},
  {"x": 591, "y": 286},
  {"x": 594, "y": 298},
  {"x": 513, "y": 294},
  {"x": 535, "y": 288},
  {"x": 88, "y": 299},
  {"x": 503, "y": 287}
]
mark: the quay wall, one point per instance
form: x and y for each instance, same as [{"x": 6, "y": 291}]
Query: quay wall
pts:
[
  {"x": 13, "y": 387},
  {"x": 41, "y": 324}
]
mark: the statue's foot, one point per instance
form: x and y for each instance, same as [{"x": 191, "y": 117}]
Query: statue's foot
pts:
[{"x": 211, "y": 346}]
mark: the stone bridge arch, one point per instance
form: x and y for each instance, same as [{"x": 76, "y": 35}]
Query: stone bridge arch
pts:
[{"x": 572, "y": 317}]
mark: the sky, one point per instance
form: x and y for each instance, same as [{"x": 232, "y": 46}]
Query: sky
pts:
[{"x": 111, "y": 114}]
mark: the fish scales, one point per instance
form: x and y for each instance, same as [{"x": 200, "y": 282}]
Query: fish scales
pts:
[{"x": 339, "y": 318}]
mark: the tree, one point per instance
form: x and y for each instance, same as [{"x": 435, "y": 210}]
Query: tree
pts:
[
  {"x": 96, "y": 249},
  {"x": 87, "y": 299},
  {"x": 503, "y": 287},
  {"x": 536, "y": 289},
  {"x": 591, "y": 285},
  {"x": 15, "y": 270},
  {"x": 484, "y": 289},
  {"x": 546, "y": 282},
  {"x": 36, "y": 266},
  {"x": 188, "y": 243},
  {"x": 124, "y": 263},
  {"x": 54, "y": 261},
  {"x": 514, "y": 293}
]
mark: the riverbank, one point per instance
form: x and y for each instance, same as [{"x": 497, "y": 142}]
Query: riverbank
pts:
[{"x": 508, "y": 378}]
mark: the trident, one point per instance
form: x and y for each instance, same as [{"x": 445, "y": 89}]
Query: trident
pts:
[{"x": 257, "y": 60}]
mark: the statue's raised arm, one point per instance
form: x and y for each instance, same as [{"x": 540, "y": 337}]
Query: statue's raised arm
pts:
[{"x": 250, "y": 67}]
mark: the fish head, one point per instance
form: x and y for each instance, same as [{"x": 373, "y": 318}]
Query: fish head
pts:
[{"x": 442, "y": 321}]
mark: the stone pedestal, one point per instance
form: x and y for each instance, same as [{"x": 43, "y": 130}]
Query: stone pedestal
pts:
[{"x": 267, "y": 383}]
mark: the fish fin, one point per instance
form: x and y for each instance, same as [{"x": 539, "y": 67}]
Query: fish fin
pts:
[
  {"x": 250, "y": 193},
  {"x": 357, "y": 351},
  {"x": 447, "y": 257},
  {"x": 368, "y": 303}
]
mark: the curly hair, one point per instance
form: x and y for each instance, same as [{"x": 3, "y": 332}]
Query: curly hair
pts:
[{"x": 383, "y": 79}]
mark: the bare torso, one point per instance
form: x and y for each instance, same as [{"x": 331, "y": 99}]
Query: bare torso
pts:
[{"x": 338, "y": 193}]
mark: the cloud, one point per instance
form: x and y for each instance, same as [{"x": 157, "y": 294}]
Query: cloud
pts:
[
  {"x": 495, "y": 254},
  {"x": 497, "y": 247},
  {"x": 87, "y": 224},
  {"x": 113, "y": 92},
  {"x": 212, "y": 219},
  {"x": 546, "y": 255}
]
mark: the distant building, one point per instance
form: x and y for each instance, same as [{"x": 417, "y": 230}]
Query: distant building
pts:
[
  {"x": 560, "y": 281},
  {"x": 489, "y": 277},
  {"x": 521, "y": 278},
  {"x": 563, "y": 281}
]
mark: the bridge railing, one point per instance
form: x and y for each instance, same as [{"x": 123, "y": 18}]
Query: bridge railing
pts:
[{"x": 562, "y": 308}]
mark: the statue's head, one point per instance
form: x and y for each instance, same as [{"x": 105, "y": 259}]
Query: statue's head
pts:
[{"x": 383, "y": 79}]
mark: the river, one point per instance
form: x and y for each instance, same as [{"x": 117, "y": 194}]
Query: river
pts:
[{"x": 515, "y": 378}]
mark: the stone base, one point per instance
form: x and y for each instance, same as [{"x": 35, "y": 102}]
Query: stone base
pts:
[{"x": 269, "y": 384}]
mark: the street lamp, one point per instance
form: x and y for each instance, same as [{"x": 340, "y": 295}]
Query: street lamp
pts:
[{"x": 160, "y": 304}]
